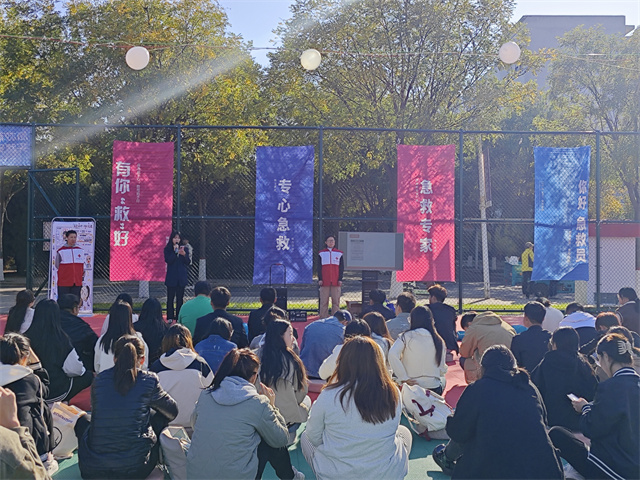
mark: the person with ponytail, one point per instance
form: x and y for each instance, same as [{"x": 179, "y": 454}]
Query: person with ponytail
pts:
[
  {"x": 611, "y": 421},
  {"x": 21, "y": 314},
  {"x": 129, "y": 409},
  {"x": 499, "y": 427},
  {"x": 231, "y": 419},
  {"x": 629, "y": 311}
]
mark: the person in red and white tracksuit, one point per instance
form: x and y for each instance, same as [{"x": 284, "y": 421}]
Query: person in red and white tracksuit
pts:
[
  {"x": 70, "y": 266},
  {"x": 330, "y": 270}
]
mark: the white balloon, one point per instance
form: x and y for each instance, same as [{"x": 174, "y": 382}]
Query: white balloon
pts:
[
  {"x": 310, "y": 59},
  {"x": 509, "y": 53},
  {"x": 137, "y": 58}
]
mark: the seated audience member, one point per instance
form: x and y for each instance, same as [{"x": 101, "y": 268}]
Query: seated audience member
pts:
[
  {"x": 220, "y": 298},
  {"x": 584, "y": 323},
  {"x": 152, "y": 326},
  {"x": 270, "y": 315},
  {"x": 231, "y": 419},
  {"x": 129, "y": 409},
  {"x": 123, "y": 297},
  {"x": 67, "y": 375},
  {"x": 629, "y": 311},
  {"x": 404, "y": 304},
  {"x": 319, "y": 340},
  {"x": 120, "y": 324},
  {"x": 611, "y": 421},
  {"x": 530, "y": 346},
  {"x": 82, "y": 336},
  {"x": 214, "y": 348},
  {"x": 21, "y": 372},
  {"x": 18, "y": 455},
  {"x": 379, "y": 332},
  {"x": 255, "y": 323},
  {"x": 182, "y": 372},
  {"x": 604, "y": 321},
  {"x": 563, "y": 371},
  {"x": 354, "y": 328},
  {"x": 444, "y": 317},
  {"x": 418, "y": 356},
  {"x": 552, "y": 317},
  {"x": 21, "y": 314},
  {"x": 486, "y": 330},
  {"x": 376, "y": 304},
  {"x": 465, "y": 322},
  {"x": 499, "y": 428},
  {"x": 633, "y": 339},
  {"x": 197, "y": 307},
  {"x": 354, "y": 427}
]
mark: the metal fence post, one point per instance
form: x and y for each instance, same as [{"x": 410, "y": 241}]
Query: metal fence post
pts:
[
  {"x": 178, "y": 174},
  {"x": 460, "y": 191},
  {"x": 77, "y": 192},
  {"x": 320, "y": 184},
  {"x": 598, "y": 193},
  {"x": 30, "y": 207}
]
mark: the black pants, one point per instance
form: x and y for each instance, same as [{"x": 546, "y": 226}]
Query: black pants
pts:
[
  {"x": 526, "y": 280},
  {"x": 278, "y": 458},
  {"x": 178, "y": 294},
  {"x": 79, "y": 384},
  {"x": 577, "y": 454},
  {"x": 74, "y": 289}
]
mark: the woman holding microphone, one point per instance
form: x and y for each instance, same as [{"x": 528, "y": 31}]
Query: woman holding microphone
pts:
[{"x": 178, "y": 260}]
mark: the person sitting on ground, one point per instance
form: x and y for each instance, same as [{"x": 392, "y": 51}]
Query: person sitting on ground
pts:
[
  {"x": 379, "y": 333},
  {"x": 270, "y": 315},
  {"x": 465, "y": 323},
  {"x": 123, "y": 297},
  {"x": 231, "y": 419},
  {"x": 183, "y": 374},
  {"x": 611, "y": 421},
  {"x": 255, "y": 324},
  {"x": 444, "y": 318},
  {"x": 376, "y": 304},
  {"x": 214, "y": 348},
  {"x": 499, "y": 427},
  {"x": 629, "y": 311},
  {"x": 197, "y": 307},
  {"x": 633, "y": 339},
  {"x": 152, "y": 326},
  {"x": 67, "y": 375},
  {"x": 21, "y": 314},
  {"x": 354, "y": 427},
  {"x": 129, "y": 409},
  {"x": 563, "y": 371},
  {"x": 552, "y": 317},
  {"x": 530, "y": 346},
  {"x": 486, "y": 330},
  {"x": 120, "y": 324},
  {"x": 319, "y": 340},
  {"x": 220, "y": 299},
  {"x": 22, "y": 373},
  {"x": 604, "y": 321},
  {"x": 418, "y": 356},
  {"x": 283, "y": 371},
  {"x": 82, "y": 336},
  {"x": 404, "y": 304},
  {"x": 354, "y": 328},
  {"x": 583, "y": 322}
]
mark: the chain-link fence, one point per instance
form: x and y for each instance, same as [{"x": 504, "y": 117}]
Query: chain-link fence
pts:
[{"x": 355, "y": 190}]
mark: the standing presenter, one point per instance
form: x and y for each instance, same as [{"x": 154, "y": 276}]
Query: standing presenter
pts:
[
  {"x": 330, "y": 271},
  {"x": 178, "y": 259},
  {"x": 70, "y": 265}
]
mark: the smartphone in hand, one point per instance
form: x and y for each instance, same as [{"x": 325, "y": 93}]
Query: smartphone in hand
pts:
[{"x": 572, "y": 397}]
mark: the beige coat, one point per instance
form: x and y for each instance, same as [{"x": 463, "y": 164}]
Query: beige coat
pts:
[{"x": 487, "y": 329}]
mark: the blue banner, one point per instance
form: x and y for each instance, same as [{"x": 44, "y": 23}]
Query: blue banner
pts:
[
  {"x": 284, "y": 214},
  {"x": 561, "y": 233},
  {"x": 15, "y": 146}
]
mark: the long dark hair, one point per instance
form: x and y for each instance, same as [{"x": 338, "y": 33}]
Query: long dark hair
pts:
[
  {"x": 177, "y": 336},
  {"x": 119, "y": 324},
  {"x": 378, "y": 325},
  {"x": 277, "y": 359},
  {"x": 127, "y": 352},
  {"x": 363, "y": 377},
  {"x": 241, "y": 363},
  {"x": 169, "y": 245},
  {"x": 630, "y": 293},
  {"x": 152, "y": 327},
  {"x": 24, "y": 298},
  {"x": 421, "y": 317},
  {"x": 48, "y": 339}
]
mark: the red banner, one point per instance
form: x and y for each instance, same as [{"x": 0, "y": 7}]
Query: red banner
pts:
[
  {"x": 141, "y": 209},
  {"x": 426, "y": 209}
]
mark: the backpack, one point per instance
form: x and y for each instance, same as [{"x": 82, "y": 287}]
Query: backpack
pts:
[{"x": 425, "y": 410}]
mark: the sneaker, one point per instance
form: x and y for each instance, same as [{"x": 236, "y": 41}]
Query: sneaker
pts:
[
  {"x": 50, "y": 464},
  {"x": 297, "y": 475},
  {"x": 442, "y": 461}
]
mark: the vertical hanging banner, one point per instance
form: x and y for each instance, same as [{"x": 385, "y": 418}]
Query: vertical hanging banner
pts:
[
  {"x": 284, "y": 214},
  {"x": 561, "y": 216},
  {"x": 426, "y": 209},
  {"x": 15, "y": 146},
  {"x": 141, "y": 209}
]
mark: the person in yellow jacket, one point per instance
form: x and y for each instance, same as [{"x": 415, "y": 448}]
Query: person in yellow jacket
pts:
[{"x": 527, "y": 268}]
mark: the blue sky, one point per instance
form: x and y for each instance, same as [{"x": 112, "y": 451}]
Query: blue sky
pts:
[{"x": 255, "y": 20}]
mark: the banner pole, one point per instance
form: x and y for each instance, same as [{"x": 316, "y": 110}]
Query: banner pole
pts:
[
  {"x": 460, "y": 197},
  {"x": 178, "y": 173}
]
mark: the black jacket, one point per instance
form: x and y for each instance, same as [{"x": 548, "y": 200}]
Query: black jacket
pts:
[
  {"x": 558, "y": 374},
  {"x": 255, "y": 320},
  {"x": 152, "y": 337},
  {"x": 120, "y": 436},
  {"x": 380, "y": 308},
  {"x": 500, "y": 420},
  {"x": 444, "y": 318},
  {"x": 82, "y": 337},
  {"x": 612, "y": 423},
  {"x": 177, "y": 267},
  {"x": 530, "y": 346},
  {"x": 204, "y": 323}
]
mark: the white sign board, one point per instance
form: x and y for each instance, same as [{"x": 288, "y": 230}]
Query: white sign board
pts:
[{"x": 372, "y": 250}]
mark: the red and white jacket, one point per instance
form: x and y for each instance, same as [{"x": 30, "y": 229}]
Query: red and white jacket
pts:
[
  {"x": 331, "y": 267},
  {"x": 70, "y": 261}
]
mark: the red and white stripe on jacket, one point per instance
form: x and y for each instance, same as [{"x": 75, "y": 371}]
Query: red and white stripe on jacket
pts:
[
  {"x": 331, "y": 267},
  {"x": 71, "y": 266}
]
